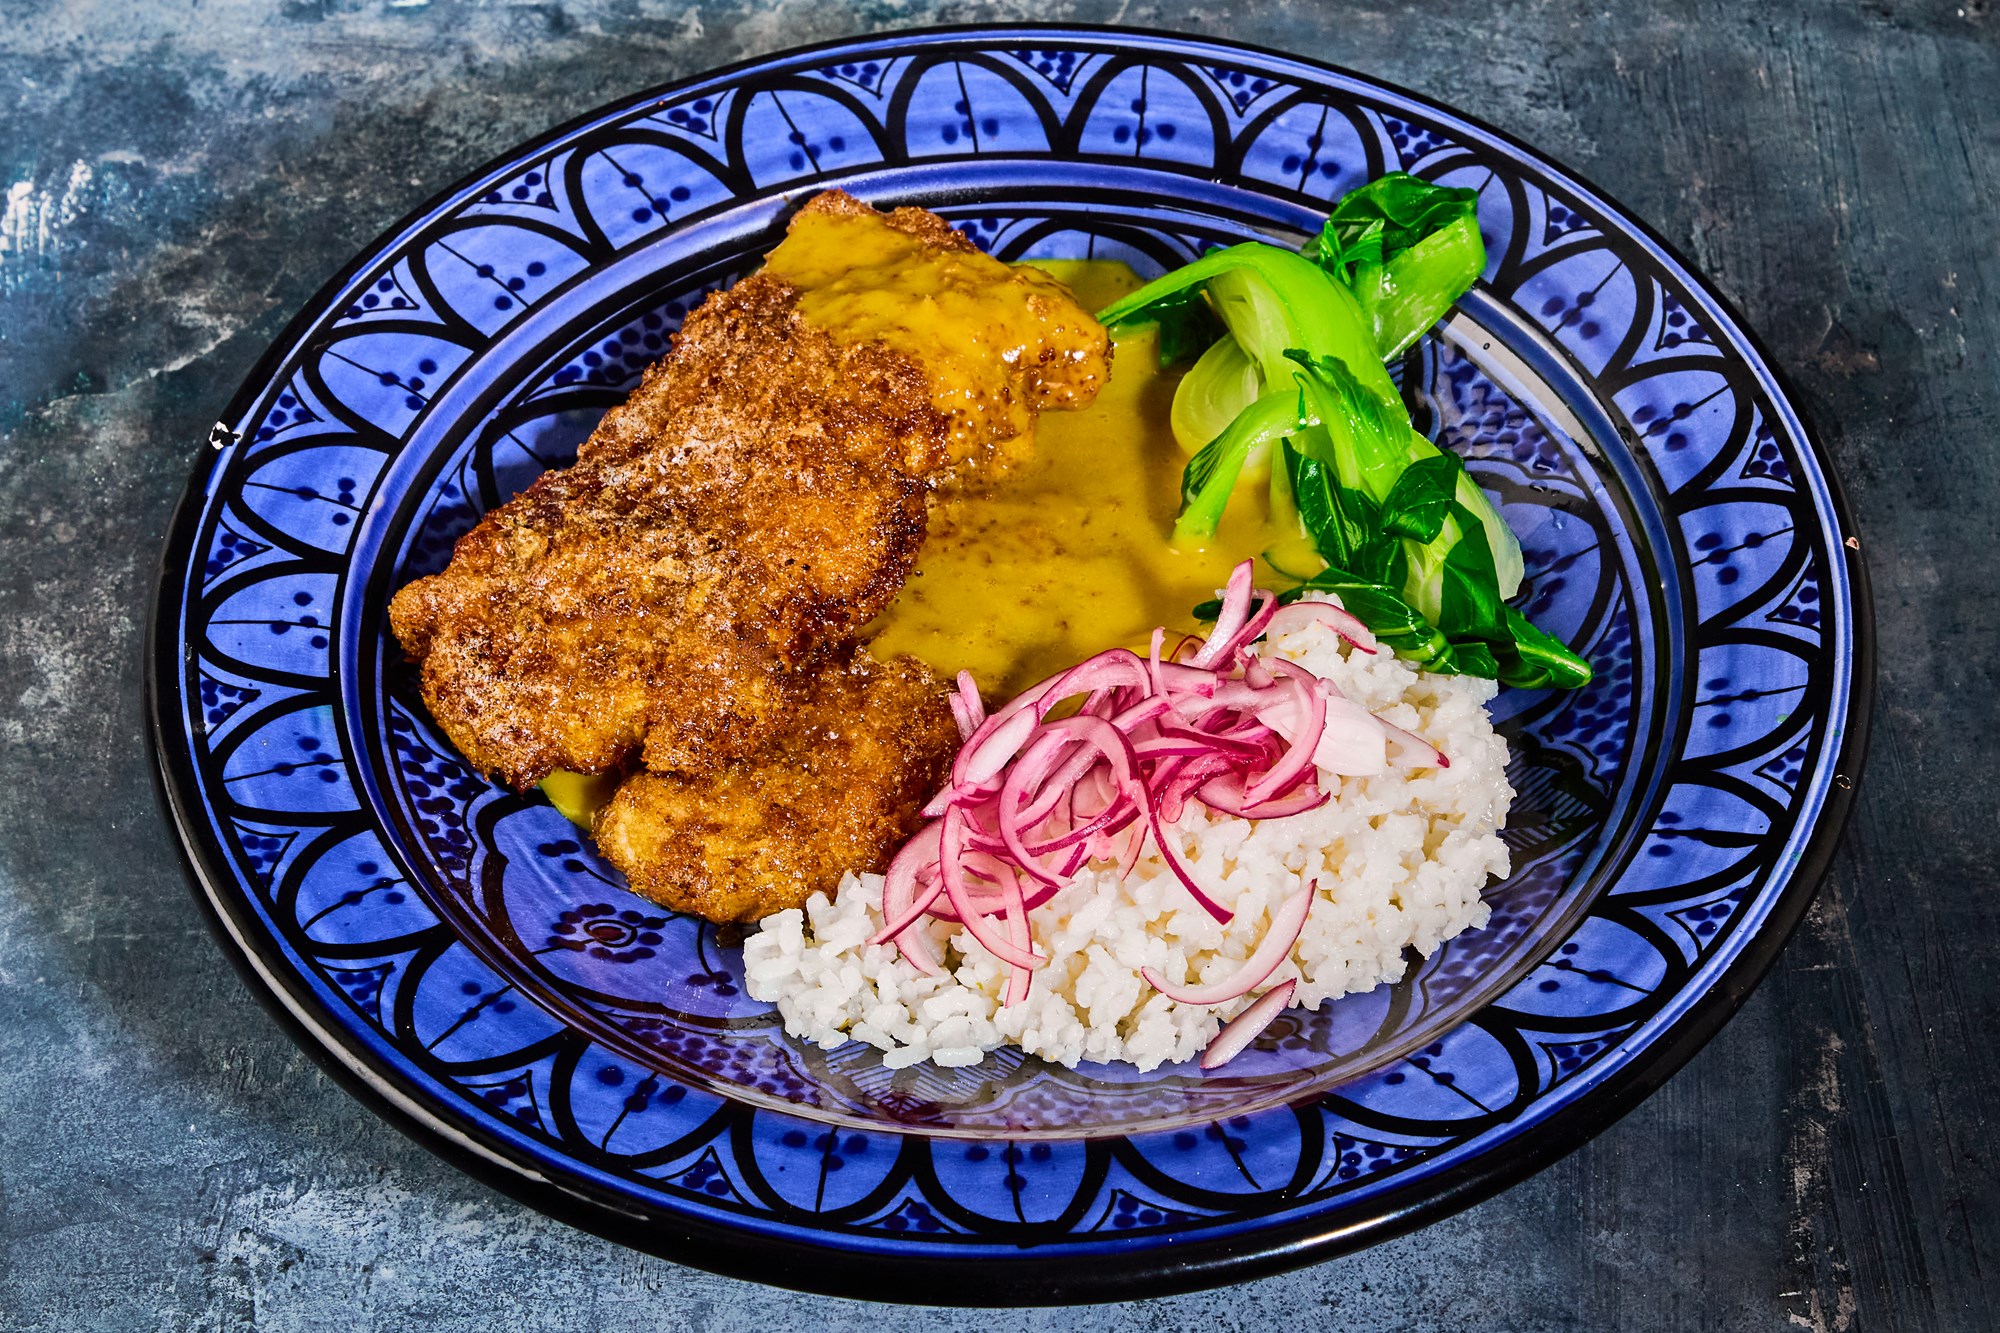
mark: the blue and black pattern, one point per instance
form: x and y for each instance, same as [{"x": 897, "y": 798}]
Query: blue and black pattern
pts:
[{"x": 460, "y": 943}]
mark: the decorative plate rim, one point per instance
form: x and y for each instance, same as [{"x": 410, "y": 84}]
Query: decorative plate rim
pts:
[{"x": 1171, "y": 1266}]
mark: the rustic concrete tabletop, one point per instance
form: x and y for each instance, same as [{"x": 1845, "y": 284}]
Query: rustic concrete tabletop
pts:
[{"x": 180, "y": 177}]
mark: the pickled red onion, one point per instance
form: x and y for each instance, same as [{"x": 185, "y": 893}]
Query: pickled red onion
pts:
[
  {"x": 1287, "y": 924},
  {"x": 1246, "y": 1027},
  {"x": 1031, "y": 800}
]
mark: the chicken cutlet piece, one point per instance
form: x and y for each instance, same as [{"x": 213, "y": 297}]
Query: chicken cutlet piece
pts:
[
  {"x": 838, "y": 791},
  {"x": 755, "y": 503}
]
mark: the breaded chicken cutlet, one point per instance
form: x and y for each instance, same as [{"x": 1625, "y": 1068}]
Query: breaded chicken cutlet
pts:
[
  {"x": 756, "y": 501},
  {"x": 869, "y": 745},
  {"x": 687, "y": 597}
]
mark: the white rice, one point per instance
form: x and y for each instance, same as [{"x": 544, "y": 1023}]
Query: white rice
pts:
[{"x": 1401, "y": 858}]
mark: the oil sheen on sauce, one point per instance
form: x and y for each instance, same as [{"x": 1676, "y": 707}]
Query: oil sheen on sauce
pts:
[
  {"x": 864, "y": 282},
  {"x": 1067, "y": 553}
]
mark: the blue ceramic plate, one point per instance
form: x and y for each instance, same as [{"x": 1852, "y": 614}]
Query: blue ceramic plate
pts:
[{"x": 471, "y": 969}]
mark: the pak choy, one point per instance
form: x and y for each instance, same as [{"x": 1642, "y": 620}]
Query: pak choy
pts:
[{"x": 1292, "y": 380}]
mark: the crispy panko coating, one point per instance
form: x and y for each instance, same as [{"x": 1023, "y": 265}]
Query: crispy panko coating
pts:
[
  {"x": 691, "y": 588},
  {"x": 757, "y": 501},
  {"x": 839, "y": 791}
]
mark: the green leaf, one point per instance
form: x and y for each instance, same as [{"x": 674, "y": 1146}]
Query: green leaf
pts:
[
  {"x": 1413, "y": 291},
  {"x": 1368, "y": 451},
  {"x": 1375, "y": 446},
  {"x": 1529, "y": 659},
  {"x": 1380, "y": 220},
  {"x": 1535, "y": 660},
  {"x": 1394, "y": 621},
  {"x": 1187, "y": 326},
  {"x": 1407, "y": 249},
  {"x": 1509, "y": 566},
  {"x": 1469, "y": 602},
  {"x": 1339, "y": 521},
  {"x": 1418, "y": 503},
  {"x": 1398, "y": 625},
  {"x": 1470, "y": 657},
  {"x": 1342, "y": 251}
]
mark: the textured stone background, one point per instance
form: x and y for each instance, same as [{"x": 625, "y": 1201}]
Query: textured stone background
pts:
[{"x": 179, "y": 178}]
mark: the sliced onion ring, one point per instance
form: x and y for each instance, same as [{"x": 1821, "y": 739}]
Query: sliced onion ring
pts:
[
  {"x": 1291, "y": 619},
  {"x": 1246, "y": 1027},
  {"x": 1287, "y": 924},
  {"x": 1422, "y": 752}
]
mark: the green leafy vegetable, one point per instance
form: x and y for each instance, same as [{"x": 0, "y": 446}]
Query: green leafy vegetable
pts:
[
  {"x": 1344, "y": 524},
  {"x": 1368, "y": 439},
  {"x": 1410, "y": 543},
  {"x": 1537, "y": 660},
  {"x": 1187, "y": 327},
  {"x": 1394, "y": 621},
  {"x": 1270, "y": 299},
  {"x": 1410, "y": 293},
  {"x": 1373, "y": 445},
  {"x": 1380, "y": 220},
  {"x": 1342, "y": 251},
  {"x": 1417, "y": 504},
  {"x": 1401, "y": 626},
  {"x": 1210, "y": 476},
  {"x": 1407, "y": 249},
  {"x": 1468, "y": 591}
]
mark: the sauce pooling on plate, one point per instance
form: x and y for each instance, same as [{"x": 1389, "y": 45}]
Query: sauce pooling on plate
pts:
[
  {"x": 579, "y": 796},
  {"x": 1067, "y": 552}
]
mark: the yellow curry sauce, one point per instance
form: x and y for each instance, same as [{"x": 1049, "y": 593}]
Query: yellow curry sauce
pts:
[
  {"x": 1068, "y": 552},
  {"x": 579, "y": 796},
  {"x": 863, "y": 282},
  {"x": 1060, "y": 553}
]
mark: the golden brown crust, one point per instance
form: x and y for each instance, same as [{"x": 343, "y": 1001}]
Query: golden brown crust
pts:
[
  {"x": 689, "y": 593},
  {"x": 999, "y": 343},
  {"x": 837, "y": 792},
  {"x": 921, "y": 223},
  {"x": 757, "y": 500}
]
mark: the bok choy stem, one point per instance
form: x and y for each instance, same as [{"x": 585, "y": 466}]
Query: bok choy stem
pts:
[
  {"x": 1410, "y": 542},
  {"x": 1211, "y": 474}
]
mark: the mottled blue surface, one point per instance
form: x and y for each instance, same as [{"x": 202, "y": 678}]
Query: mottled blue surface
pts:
[{"x": 181, "y": 180}]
